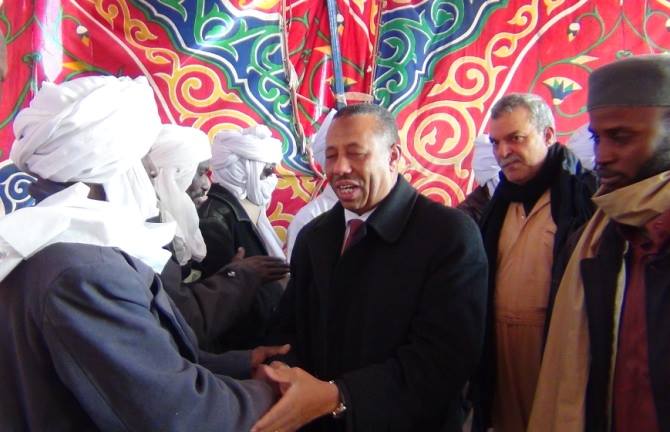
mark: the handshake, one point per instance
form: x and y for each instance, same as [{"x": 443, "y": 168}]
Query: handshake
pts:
[{"x": 303, "y": 397}]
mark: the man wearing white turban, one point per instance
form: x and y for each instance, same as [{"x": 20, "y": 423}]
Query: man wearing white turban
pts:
[
  {"x": 90, "y": 339},
  {"x": 486, "y": 171},
  {"x": 234, "y": 216},
  {"x": 212, "y": 305},
  {"x": 174, "y": 158}
]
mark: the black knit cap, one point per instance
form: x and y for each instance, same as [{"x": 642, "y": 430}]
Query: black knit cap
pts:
[{"x": 634, "y": 81}]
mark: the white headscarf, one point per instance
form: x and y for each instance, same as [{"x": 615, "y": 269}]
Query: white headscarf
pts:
[
  {"x": 88, "y": 130},
  {"x": 238, "y": 159},
  {"x": 319, "y": 144},
  {"x": 176, "y": 155},
  {"x": 95, "y": 130},
  {"x": 581, "y": 144},
  {"x": 484, "y": 164}
]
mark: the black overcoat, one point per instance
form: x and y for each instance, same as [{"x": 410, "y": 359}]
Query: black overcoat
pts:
[{"x": 397, "y": 320}]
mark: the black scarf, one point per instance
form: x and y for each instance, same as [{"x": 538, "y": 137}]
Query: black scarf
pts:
[
  {"x": 527, "y": 194},
  {"x": 571, "y": 188},
  {"x": 491, "y": 225}
]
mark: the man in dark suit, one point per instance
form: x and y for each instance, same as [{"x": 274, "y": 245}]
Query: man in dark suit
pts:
[{"x": 385, "y": 307}]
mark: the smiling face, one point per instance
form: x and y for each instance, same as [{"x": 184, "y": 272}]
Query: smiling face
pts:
[
  {"x": 361, "y": 165},
  {"x": 518, "y": 147},
  {"x": 631, "y": 144}
]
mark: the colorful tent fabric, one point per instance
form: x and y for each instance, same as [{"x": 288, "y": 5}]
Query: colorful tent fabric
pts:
[{"x": 438, "y": 65}]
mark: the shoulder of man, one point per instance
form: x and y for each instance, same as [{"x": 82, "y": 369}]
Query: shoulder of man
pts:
[
  {"x": 218, "y": 206},
  {"x": 450, "y": 218},
  {"x": 68, "y": 266}
]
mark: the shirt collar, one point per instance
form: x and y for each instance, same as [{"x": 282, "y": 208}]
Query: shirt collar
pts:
[{"x": 349, "y": 215}]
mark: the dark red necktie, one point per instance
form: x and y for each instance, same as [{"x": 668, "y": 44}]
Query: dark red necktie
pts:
[{"x": 355, "y": 232}]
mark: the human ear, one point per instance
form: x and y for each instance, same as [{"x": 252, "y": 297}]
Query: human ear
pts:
[{"x": 394, "y": 156}]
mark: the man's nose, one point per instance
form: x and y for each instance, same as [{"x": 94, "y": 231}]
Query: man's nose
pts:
[
  {"x": 502, "y": 150},
  {"x": 341, "y": 165},
  {"x": 603, "y": 152}
]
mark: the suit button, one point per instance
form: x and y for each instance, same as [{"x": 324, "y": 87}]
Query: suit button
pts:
[{"x": 231, "y": 273}]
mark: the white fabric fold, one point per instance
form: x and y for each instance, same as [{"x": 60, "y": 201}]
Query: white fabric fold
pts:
[
  {"x": 581, "y": 144},
  {"x": 484, "y": 164},
  {"x": 319, "y": 142},
  {"x": 93, "y": 130},
  {"x": 70, "y": 217}
]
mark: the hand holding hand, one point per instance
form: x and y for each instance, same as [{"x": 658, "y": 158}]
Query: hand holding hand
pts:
[
  {"x": 260, "y": 354},
  {"x": 304, "y": 399}
]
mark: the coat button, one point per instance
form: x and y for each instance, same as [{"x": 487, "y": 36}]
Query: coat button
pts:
[{"x": 231, "y": 273}]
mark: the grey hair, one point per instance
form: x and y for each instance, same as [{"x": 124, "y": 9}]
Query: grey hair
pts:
[
  {"x": 540, "y": 113},
  {"x": 386, "y": 125}
]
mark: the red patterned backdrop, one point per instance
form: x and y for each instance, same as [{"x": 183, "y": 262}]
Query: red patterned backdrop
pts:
[{"x": 438, "y": 65}]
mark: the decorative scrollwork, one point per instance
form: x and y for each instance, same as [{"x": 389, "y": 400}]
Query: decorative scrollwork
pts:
[{"x": 14, "y": 188}]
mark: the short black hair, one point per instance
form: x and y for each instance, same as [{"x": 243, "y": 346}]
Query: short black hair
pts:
[{"x": 385, "y": 126}]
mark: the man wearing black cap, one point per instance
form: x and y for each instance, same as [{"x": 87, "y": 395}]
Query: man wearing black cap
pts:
[{"x": 606, "y": 364}]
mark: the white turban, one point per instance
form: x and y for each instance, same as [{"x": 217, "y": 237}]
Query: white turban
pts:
[
  {"x": 238, "y": 159},
  {"x": 581, "y": 144},
  {"x": 484, "y": 164},
  {"x": 94, "y": 130},
  {"x": 319, "y": 144},
  {"x": 176, "y": 155}
]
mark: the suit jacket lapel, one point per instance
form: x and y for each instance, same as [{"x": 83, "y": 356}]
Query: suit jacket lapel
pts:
[{"x": 392, "y": 214}]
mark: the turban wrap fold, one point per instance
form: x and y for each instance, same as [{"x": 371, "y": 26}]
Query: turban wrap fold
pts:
[{"x": 90, "y": 130}]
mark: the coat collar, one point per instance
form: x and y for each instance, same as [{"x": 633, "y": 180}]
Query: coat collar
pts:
[
  {"x": 392, "y": 214},
  {"x": 219, "y": 192},
  {"x": 388, "y": 220}
]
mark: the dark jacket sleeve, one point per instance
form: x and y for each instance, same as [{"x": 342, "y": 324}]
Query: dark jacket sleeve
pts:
[
  {"x": 474, "y": 204},
  {"x": 443, "y": 346},
  {"x": 235, "y": 364},
  {"x": 213, "y": 305},
  {"x": 109, "y": 348}
]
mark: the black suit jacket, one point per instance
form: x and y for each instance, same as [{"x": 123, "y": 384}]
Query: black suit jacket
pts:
[{"x": 397, "y": 320}]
